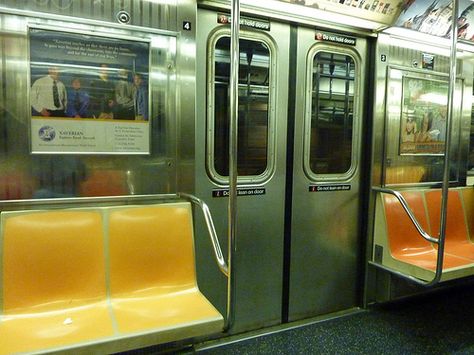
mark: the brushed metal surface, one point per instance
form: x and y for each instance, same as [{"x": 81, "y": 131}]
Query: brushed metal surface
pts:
[
  {"x": 259, "y": 241},
  {"x": 153, "y": 14},
  {"x": 325, "y": 265}
]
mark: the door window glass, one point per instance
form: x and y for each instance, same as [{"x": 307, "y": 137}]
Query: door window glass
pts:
[
  {"x": 332, "y": 110},
  {"x": 253, "y": 126}
]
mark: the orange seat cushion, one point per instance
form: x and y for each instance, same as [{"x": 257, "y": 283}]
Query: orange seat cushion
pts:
[{"x": 406, "y": 244}]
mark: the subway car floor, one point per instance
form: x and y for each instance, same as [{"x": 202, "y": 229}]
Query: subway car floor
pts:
[{"x": 441, "y": 322}]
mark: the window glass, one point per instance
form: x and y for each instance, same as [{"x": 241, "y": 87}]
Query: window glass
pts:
[
  {"x": 332, "y": 107},
  {"x": 254, "y": 77}
]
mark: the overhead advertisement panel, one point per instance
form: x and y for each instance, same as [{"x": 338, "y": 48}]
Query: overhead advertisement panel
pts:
[
  {"x": 382, "y": 11},
  {"x": 434, "y": 18}
]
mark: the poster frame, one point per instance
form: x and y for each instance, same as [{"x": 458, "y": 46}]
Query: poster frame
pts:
[
  {"x": 94, "y": 31},
  {"x": 402, "y": 112}
]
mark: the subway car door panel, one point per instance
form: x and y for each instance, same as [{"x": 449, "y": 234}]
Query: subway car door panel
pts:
[
  {"x": 263, "y": 91},
  {"x": 326, "y": 196}
]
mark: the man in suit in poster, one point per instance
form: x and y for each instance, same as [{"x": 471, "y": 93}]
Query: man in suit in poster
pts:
[{"x": 48, "y": 95}]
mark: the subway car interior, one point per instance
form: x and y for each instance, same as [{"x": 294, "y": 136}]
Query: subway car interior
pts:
[{"x": 236, "y": 177}]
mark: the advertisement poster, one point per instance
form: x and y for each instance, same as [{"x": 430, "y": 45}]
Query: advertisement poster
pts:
[
  {"x": 423, "y": 122},
  {"x": 434, "y": 18},
  {"x": 88, "y": 94},
  {"x": 383, "y": 11}
]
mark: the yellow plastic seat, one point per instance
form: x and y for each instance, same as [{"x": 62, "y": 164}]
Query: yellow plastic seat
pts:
[
  {"x": 53, "y": 272},
  {"x": 152, "y": 274}
]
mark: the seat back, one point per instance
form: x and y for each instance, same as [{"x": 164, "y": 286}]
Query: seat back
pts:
[
  {"x": 151, "y": 248},
  {"x": 404, "y": 174},
  {"x": 468, "y": 199},
  {"x": 456, "y": 230},
  {"x": 402, "y": 234},
  {"x": 52, "y": 260}
]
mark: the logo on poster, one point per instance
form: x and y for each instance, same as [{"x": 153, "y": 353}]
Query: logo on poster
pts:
[{"x": 47, "y": 133}]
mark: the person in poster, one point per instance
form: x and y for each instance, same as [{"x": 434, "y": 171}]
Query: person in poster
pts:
[
  {"x": 410, "y": 127},
  {"x": 48, "y": 95},
  {"x": 78, "y": 100},
  {"x": 124, "y": 97},
  {"x": 424, "y": 134},
  {"x": 140, "y": 98},
  {"x": 439, "y": 124},
  {"x": 102, "y": 94}
]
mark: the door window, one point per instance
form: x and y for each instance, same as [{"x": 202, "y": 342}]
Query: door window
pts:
[
  {"x": 254, "y": 123},
  {"x": 331, "y": 127}
]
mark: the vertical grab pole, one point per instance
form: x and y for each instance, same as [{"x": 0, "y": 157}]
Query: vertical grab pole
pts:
[
  {"x": 233, "y": 127},
  {"x": 449, "y": 118}
]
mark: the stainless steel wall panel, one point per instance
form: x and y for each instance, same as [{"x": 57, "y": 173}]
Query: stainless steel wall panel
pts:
[
  {"x": 156, "y": 173},
  {"x": 404, "y": 60},
  {"x": 406, "y": 57},
  {"x": 186, "y": 118},
  {"x": 143, "y": 13}
]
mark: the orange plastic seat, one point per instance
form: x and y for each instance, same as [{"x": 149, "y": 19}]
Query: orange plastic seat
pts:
[
  {"x": 405, "y": 242},
  {"x": 457, "y": 240},
  {"x": 152, "y": 273},
  {"x": 53, "y": 276}
]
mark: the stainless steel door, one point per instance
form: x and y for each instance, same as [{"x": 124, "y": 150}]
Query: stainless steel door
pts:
[
  {"x": 325, "y": 196},
  {"x": 261, "y": 162},
  {"x": 325, "y": 233}
]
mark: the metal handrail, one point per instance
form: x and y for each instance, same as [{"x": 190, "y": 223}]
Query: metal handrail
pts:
[
  {"x": 439, "y": 241},
  {"x": 408, "y": 211},
  {"x": 211, "y": 229},
  {"x": 233, "y": 143}
]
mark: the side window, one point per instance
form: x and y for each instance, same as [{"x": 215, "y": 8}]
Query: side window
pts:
[
  {"x": 330, "y": 148},
  {"x": 255, "y": 77}
]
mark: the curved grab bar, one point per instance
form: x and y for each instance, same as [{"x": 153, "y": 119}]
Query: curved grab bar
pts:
[
  {"x": 440, "y": 240},
  {"x": 211, "y": 229},
  {"x": 409, "y": 212}
]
